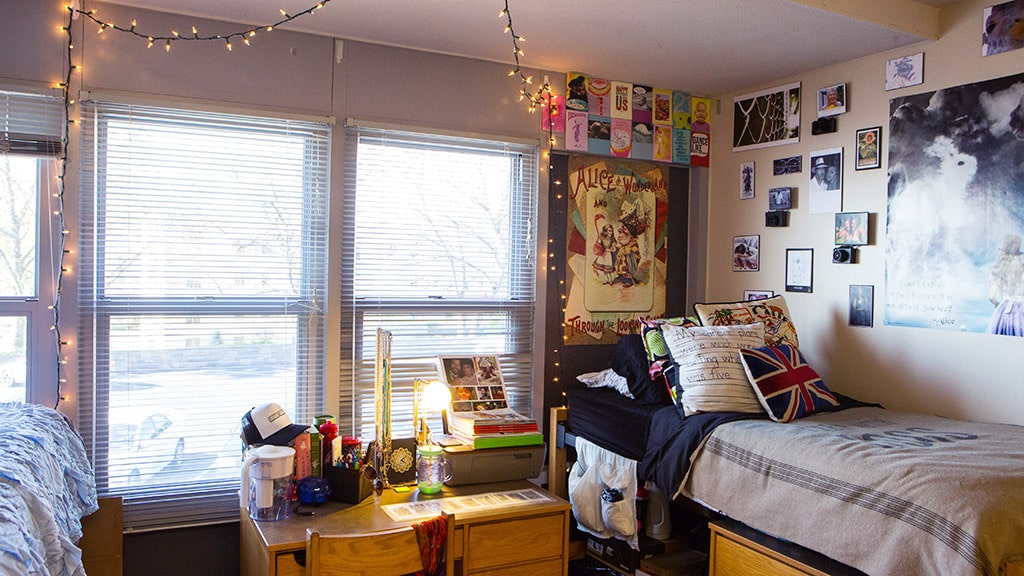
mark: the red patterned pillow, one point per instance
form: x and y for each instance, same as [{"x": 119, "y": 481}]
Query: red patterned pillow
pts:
[{"x": 784, "y": 384}]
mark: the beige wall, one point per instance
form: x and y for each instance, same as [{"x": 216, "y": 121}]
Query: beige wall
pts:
[
  {"x": 962, "y": 375},
  {"x": 972, "y": 376}
]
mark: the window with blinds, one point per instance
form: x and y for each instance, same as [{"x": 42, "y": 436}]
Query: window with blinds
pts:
[
  {"x": 202, "y": 283},
  {"x": 438, "y": 248},
  {"x": 31, "y": 127}
]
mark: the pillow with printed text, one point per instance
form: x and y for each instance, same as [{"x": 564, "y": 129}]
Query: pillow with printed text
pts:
[{"x": 711, "y": 375}]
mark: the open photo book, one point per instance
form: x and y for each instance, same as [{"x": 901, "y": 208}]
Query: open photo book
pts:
[{"x": 480, "y": 415}]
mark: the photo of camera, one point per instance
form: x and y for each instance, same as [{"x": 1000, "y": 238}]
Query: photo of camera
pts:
[
  {"x": 842, "y": 255},
  {"x": 776, "y": 219}
]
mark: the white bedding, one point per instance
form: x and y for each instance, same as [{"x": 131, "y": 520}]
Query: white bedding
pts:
[
  {"x": 882, "y": 491},
  {"x": 46, "y": 486}
]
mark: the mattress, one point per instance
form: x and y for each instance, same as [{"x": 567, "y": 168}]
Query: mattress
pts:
[
  {"x": 885, "y": 492},
  {"x": 611, "y": 420}
]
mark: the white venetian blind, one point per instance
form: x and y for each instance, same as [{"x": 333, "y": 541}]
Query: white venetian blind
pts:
[
  {"x": 202, "y": 285},
  {"x": 30, "y": 123},
  {"x": 439, "y": 249}
]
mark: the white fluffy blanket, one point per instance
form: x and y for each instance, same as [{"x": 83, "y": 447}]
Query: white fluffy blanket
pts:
[{"x": 46, "y": 486}]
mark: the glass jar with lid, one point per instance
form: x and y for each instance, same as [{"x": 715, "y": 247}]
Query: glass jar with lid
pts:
[{"x": 432, "y": 468}]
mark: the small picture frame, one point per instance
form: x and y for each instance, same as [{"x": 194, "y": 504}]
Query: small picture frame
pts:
[
  {"x": 825, "y": 186},
  {"x": 746, "y": 253},
  {"x": 790, "y": 165},
  {"x": 747, "y": 180},
  {"x": 832, "y": 100},
  {"x": 799, "y": 269},
  {"x": 904, "y": 71},
  {"x": 758, "y": 294},
  {"x": 780, "y": 198},
  {"x": 869, "y": 146},
  {"x": 862, "y": 304},
  {"x": 851, "y": 228},
  {"x": 1000, "y": 30}
]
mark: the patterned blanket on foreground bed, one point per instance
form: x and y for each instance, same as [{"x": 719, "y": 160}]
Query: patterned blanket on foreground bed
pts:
[
  {"x": 883, "y": 491},
  {"x": 46, "y": 486}
]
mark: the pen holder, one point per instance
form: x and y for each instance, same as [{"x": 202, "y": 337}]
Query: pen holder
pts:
[{"x": 347, "y": 484}]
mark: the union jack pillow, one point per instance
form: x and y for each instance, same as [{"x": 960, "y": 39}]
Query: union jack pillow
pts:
[{"x": 784, "y": 384}]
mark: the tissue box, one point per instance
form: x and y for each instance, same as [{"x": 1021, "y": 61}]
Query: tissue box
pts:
[{"x": 347, "y": 484}]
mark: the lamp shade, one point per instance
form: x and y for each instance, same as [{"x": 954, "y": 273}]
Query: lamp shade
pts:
[{"x": 436, "y": 397}]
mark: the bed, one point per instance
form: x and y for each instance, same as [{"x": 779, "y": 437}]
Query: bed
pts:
[
  {"x": 46, "y": 487},
  {"x": 877, "y": 490}
]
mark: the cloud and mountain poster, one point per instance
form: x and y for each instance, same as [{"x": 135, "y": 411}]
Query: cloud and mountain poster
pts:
[{"x": 956, "y": 209}]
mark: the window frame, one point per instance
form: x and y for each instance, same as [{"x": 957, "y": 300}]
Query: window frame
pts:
[
  {"x": 521, "y": 368},
  {"x": 44, "y": 122},
  {"x": 216, "y": 500}
]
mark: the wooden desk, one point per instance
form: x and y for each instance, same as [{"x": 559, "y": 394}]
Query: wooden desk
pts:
[{"x": 527, "y": 539}]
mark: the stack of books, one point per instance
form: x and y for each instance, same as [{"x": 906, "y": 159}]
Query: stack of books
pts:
[
  {"x": 480, "y": 415},
  {"x": 499, "y": 428}
]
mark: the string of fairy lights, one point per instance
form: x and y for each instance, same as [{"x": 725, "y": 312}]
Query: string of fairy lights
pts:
[
  {"x": 542, "y": 96},
  {"x": 174, "y": 36}
]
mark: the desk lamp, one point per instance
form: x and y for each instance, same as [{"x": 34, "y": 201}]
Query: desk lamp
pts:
[{"x": 429, "y": 396}]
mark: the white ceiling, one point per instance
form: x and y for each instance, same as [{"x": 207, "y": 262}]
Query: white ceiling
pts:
[{"x": 708, "y": 47}]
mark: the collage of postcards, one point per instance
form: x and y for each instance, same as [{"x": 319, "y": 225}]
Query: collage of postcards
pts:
[{"x": 475, "y": 381}]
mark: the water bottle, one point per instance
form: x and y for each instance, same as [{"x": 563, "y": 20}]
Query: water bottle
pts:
[{"x": 659, "y": 519}]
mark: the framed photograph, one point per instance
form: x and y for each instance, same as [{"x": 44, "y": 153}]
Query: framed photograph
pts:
[
  {"x": 746, "y": 253},
  {"x": 826, "y": 181},
  {"x": 869, "y": 143},
  {"x": 791, "y": 165},
  {"x": 758, "y": 294},
  {"x": 904, "y": 71},
  {"x": 747, "y": 180},
  {"x": 862, "y": 304},
  {"x": 1000, "y": 31},
  {"x": 756, "y": 118},
  {"x": 851, "y": 228},
  {"x": 832, "y": 100},
  {"x": 780, "y": 198},
  {"x": 799, "y": 269}
]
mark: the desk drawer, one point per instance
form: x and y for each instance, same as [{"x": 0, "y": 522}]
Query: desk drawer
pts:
[
  {"x": 508, "y": 543},
  {"x": 735, "y": 559},
  {"x": 542, "y": 568},
  {"x": 287, "y": 565}
]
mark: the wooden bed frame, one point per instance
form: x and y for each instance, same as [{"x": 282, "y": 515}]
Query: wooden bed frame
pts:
[
  {"x": 735, "y": 549},
  {"x": 102, "y": 539}
]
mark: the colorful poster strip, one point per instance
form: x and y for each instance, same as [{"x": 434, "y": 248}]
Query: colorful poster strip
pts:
[{"x": 626, "y": 120}]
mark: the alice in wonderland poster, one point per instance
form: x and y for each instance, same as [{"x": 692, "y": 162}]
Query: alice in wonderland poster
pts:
[{"x": 615, "y": 247}]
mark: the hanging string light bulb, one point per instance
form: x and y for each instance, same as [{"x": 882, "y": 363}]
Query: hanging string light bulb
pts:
[
  {"x": 176, "y": 36},
  {"x": 541, "y": 96}
]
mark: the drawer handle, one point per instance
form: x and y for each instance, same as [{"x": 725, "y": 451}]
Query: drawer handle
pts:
[{"x": 300, "y": 557}]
